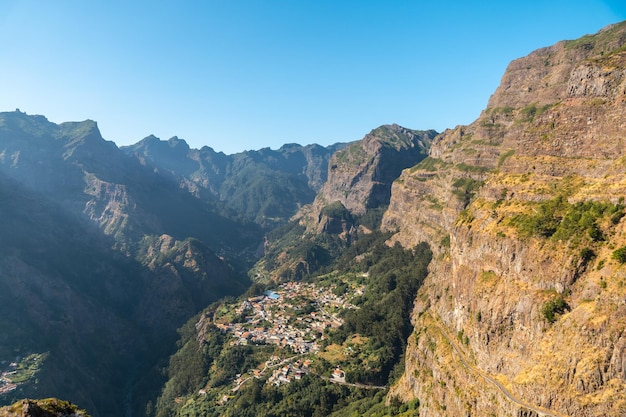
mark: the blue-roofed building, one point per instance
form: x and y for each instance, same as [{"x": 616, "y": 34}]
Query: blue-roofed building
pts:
[{"x": 271, "y": 294}]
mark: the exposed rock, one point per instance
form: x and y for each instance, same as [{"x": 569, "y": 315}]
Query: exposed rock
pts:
[
  {"x": 554, "y": 129},
  {"x": 42, "y": 408},
  {"x": 360, "y": 176}
]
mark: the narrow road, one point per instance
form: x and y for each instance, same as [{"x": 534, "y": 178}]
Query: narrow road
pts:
[
  {"x": 356, "y": 385},
  {"x": 460, "y": 352}
]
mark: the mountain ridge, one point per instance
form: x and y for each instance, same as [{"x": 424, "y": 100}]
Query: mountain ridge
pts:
[{"x": 522, "y": 210}]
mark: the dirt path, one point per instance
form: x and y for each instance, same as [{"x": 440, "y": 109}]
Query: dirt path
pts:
[{"x": 461, "y": 354}]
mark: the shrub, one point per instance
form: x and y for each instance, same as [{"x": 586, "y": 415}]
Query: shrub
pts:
[
  {"x": 586, "y": 254},
  {"x": 620, "y": 255},
  {"x": 553, "y": 307}
]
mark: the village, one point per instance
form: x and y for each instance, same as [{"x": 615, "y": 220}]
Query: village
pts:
[
  {"x": 19, "y": 371},
  {"x": 6, "y": 385},
  {"x": 294, "y": 317}
]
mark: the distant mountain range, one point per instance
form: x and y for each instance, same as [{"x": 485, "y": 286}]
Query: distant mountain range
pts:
[
  {"x": 105, "y": 252},
  {"x": 103, "y": 255}
]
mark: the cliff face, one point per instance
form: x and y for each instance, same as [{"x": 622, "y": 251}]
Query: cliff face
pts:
[
  {"x": 350, "y": 203},
  {"x": 524, "y": 308},
  {"x": 360, "y": 176}
]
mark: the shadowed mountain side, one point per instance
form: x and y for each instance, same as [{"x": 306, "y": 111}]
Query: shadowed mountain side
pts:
[
  {"x": 266, "y": 187},
  {"x": 99, "y": 315},
  {"x": 71, "y": 164}
]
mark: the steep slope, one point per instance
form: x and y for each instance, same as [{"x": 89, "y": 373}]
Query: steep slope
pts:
[
  {"x": 72, "y": 164},
  {"x": 360, "y": 176},
  {"x": 350, "y": 203},
  {"x": 101, "y": 261},
  {"x": 265, "y": 186},
  {"x": 524, "y": 211}
]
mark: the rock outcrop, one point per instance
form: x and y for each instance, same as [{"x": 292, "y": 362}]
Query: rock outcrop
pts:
[
  {"x": 50, "y": 407},
  {"x": 523, "y": 209},
  {"x": 360, "y": 176},
  {"x": 350, "y": 203}
]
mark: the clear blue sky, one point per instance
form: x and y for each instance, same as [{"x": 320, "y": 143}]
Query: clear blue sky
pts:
[{"x": 238, "y": 75}]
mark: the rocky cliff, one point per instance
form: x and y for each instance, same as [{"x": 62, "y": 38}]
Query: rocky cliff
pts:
[
  {"x": 524, "y": 309},
  {"x": 360, "y": 176},
  {"x": 350, "y": 203}
]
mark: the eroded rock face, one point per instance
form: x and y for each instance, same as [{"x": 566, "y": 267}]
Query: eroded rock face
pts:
[
  {"x": 553, "y": 133},
  {"x": 360, "y": 176}
]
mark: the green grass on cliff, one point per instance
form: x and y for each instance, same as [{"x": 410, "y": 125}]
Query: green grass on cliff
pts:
[{"x": 558, "y": 219}]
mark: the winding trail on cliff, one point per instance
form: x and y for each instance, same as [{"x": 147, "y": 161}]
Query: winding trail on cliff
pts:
[{"x": 461, "y": 353}]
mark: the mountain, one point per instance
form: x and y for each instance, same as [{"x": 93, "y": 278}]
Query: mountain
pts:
[
  {"x": 521, "y": 310},
  {"x": 266, "y": 187},
  {"x": 106, "y": 252},
  {"x": 367, "y": 168},
  {"x": 349, "y": 204},
  {"x": 479, "y": 271},
  {"x": 102, "y": 260},
  {"x": 524, "y": 211}
]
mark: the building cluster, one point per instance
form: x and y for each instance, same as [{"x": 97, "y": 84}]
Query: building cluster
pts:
[
  {"x": 289, "y": 372},
  {"x": 294, "y": 316},
  {"x": 6, "y": 385}
]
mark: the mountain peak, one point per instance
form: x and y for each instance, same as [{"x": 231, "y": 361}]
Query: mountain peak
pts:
[{"x": 176, "y": 143}]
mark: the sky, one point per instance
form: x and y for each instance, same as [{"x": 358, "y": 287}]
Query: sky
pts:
[{"x": 240, "y": 75}]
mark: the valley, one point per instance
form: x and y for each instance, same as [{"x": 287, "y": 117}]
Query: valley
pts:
[{"x": 476, "y": 271}]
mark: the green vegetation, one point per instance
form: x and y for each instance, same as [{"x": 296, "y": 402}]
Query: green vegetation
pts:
[
  {"x": 431, "y": 164},
  {"x": 559, "y": 220},
  {"x": 336, "y": 210},
  {"x": 598, "y": 40},
  {"x": 48, "y": 407},
  {"x": 620, "y": 255},
  {"x": 369, "y": 346},
  {"x": 471, "y": 168},
  {"x": 507, "y": 110},
  {"x": 394, "y": 277},
  {"x": 309, "y": 397},
  {"x": 530, "y": 111},
  {"x": 554, "y": 307},
  {"x": 289, "y": 244},
  {"x": 265, "y": 196},
  {"x": 465, "y": 189},
  {"x": 373, "y": 217},
  {"x": 506, "y": 155},
  {"x": 586, "y": 255},
  {"x": 27, "y": 368}
]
